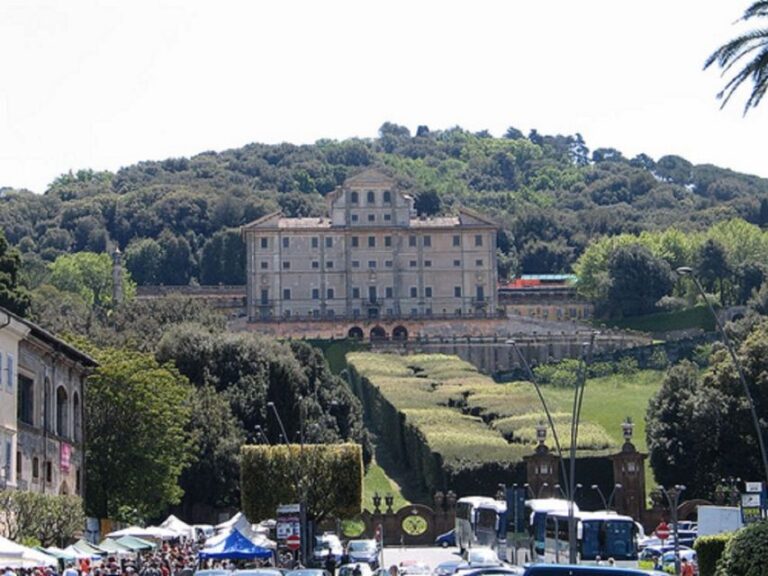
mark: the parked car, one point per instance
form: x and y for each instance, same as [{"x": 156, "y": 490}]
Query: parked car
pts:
[
  {"x": 349, "y": 569},
  {"x": 327, "y": 545},
  {"x": 365, "y": 551},
  {"x": 495, "y": 571},
  {"x": 257, "y": 572},
  {"x": 446, "y": 568},
  {"x": 580, "y": 570},
  {"x": 668, "y": 560},
  {"x": 447, "y": 540},
  {"x": 481, "y": 556},
  {"x": 413, "y": 568},
  {"x": 308, "y": 572},
  {"x": 650, "y": 556}
]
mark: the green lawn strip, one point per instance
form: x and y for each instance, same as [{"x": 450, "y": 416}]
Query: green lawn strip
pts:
[
  {"x": 609, "y": 400},
  {"x": 376, "y": 480}
]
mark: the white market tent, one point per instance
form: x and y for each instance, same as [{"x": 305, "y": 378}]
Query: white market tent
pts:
[
  {"x": 81, "y": 554},
  {"x": 14, "y": 555},
  {"x": 240, "y": 523},
  {"x": 148, "y": 532},
  {"x": 177, "y": 525}
]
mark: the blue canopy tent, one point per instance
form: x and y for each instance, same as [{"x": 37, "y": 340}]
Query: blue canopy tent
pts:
[{"x": 234, "y": 547}]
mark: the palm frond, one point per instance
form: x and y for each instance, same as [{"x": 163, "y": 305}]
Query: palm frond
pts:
[
  {"x": 757, "y": 9},
  {"x": 737, "y": 51},
  {"x": 757, "y": 71}
]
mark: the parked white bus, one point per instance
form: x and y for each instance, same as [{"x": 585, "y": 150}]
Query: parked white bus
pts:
[{"x": 466, "y": 520}]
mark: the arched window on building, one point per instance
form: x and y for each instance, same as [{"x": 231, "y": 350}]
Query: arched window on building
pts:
[
  {"x": 387, "y": 197},
  {"x": 354, "y": 198},
  {"x": 371, "y": 198},
  {"x": 77, "y": 432},
  {"x": 62, "y": 412}
]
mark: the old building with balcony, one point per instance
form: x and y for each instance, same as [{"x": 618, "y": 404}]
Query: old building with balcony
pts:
[{"x": 372, "y": 258}]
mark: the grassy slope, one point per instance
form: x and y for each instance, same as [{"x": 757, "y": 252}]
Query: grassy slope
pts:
[
  {"x": 608, "y": 400},
  {"x": 376, "y": 480}
]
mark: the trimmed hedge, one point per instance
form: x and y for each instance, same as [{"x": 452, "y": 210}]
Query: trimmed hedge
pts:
[
  {"x": 332, "y": 475},
  {"x": 709, "y": 549},
  {"x": 454, "y": 427},
  {"x": 746, "y": 553}
]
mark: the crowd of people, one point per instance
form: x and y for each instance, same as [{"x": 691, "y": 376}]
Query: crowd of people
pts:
[{"x": 178, "y": 559}]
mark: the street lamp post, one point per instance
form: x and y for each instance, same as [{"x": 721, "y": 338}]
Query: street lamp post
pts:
[
  {"x": 578, "y": 398},
  {"x": 687, "y": 271},
  {"x": 544, "y": 404},
  {"x": 673, "y": 499},
  {"x": 607, "y": 504}
]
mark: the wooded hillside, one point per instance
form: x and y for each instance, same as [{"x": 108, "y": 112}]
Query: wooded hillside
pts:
[{"x": 177, "y": 219}]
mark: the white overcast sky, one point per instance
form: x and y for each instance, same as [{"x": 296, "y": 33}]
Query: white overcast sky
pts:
[{"x": 104, "y": 84}]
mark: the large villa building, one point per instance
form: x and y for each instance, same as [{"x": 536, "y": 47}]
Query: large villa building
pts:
[{"x": 371, "y": 259}]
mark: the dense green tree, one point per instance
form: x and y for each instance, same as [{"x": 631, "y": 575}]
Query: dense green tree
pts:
[
  {"x": 143, "y": 259},
  {"x": 749, "y": 278},
  {"x": 753, "y": 44},
  {"x": 250, "y": 370},
  {"x": 712, "y": 269},
  {"x": 683, "y": 432},
  {"x": 137, "y": 411},
  {"x": 64, "y": 312},
  {"x": 638, "y": 280},
  {"x": 178, "y": 265},
  {"x": 545, "y": 257},
  {"x": 13, "y": 296},
  {"x": 675, "y": 169},
  {"x": 428, "y": 203},
  {"x": 699, "y": 427},
  {"x": 223, "y": 259},
  {"x": 213, "y": 478},
  {"x": 90, "y": 276}
]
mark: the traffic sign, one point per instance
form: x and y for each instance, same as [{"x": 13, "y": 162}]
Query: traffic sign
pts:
[
  {"x": 662, "y": 531},
  {"x": 293, "y": 542}
]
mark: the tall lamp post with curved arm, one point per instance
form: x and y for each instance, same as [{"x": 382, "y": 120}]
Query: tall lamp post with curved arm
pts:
[
  {"x": 686, "y": 271},
  {"x": 578, "y": 398}
]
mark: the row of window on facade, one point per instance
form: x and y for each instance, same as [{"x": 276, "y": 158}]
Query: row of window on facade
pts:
[
  {"x": 47, "y": 468},
  {"x": 66, "y": 412},
  {"x": 315, "y": 264},
  {"x": 370, "y": 197},
  {"x": 426, "y": 241},
  {"x": 374, "y": 312},
  {"x": 373, "y": 294}
]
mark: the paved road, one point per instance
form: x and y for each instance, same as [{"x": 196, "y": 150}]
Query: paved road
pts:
[{"x": 432, "y": 556}]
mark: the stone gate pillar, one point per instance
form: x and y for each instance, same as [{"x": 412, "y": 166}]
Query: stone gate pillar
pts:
[
  {"x": 542, "y": 468},
  {"x": 629, "y": 471}
]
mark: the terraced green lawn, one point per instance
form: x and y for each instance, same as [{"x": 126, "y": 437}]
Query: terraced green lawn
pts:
[{"x": 609, "y": 400}]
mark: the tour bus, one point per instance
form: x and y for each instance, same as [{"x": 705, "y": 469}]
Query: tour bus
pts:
[
  {"x": 491, "y": 526},
  {"x": 466, "y": 520},
  {"x": 599, "y": 535}
]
